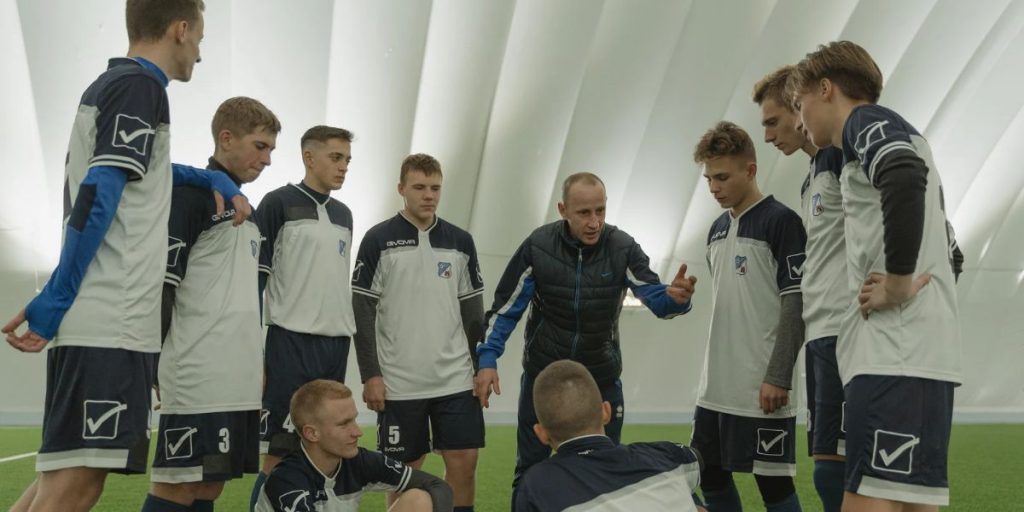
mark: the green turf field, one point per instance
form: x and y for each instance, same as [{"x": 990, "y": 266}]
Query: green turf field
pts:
[{"x": 985, "y": 471}]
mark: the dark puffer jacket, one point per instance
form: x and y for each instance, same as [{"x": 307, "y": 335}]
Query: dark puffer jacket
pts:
[{"x": 576, "y": 294}]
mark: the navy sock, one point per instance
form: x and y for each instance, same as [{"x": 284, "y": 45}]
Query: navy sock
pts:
[
  {"x": 155, "y": 504},
  {"x": 790, "y": 504},
  {"x": 723, "y": 500},
  {"x": 829, "y": 480},
  {"x": 463, "y": 509},
  {"x": 202, "y": 506},
  {"x": 257, "y": 488}
]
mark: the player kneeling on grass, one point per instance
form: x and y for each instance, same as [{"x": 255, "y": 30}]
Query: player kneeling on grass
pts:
[
  {"x": 331, "y": 472},
  {"x": 590, "y": 471}
]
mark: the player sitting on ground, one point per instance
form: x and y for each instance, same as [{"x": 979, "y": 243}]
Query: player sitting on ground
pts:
[
  {"x": 330, "y": 472},
  {"x": 589, "y": 471}
]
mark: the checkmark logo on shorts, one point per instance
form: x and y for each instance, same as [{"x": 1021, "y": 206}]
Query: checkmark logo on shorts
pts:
[
  {"x": 174, "y": 441},
  {"x": 295, "y": 501},
  {"x": 769, "y": 442},
  {"x": 894, "y": 452},
  {"x": 264, "y": 421},
  {"x": 101, "y": 418}
]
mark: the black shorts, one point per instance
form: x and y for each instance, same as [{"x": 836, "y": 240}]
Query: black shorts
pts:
[
  {"x": 763, "y": 446},
  {"x": 97, "y": 409},
  {"x": 208, "y": 447},
  {"x": 456, "y": 422},
  {"x": 292, "y": 359},
  {"x": 897, "y": 438},
  {"x": 824, "y": 399}
]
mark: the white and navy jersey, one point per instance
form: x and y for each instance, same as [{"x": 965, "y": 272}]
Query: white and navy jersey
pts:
[
  {"x": 920, "y": 338},
  {"x": 754, "y": 259},
  {"x": 419, "y": 278},
  {"x": 306, "y": 255},
  {"x": 212, "y": 358},
  {"x": 826, "y": 296},
  {"x": 123, "y": 121},
  {"x": 296, "y": 485},
  {"x": 594, "y": 474}
]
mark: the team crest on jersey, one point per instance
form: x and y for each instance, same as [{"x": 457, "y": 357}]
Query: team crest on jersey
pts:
[
  {"x": 255, "y": 247},
  {"x": 341, "y": 247},
  {"x": 741, "y": 265},
  {"x": 816, "y": 207},
  {"x": 444, "y": 269}
]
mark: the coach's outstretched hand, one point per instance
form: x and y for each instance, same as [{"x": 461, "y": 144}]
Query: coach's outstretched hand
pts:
[
  {"x": 682, "y": 286},
  {"x": 28, "y": 342},
  {"x": 373, "y": 393},
  {"x": 485, "y": 381},
  {"x": 884, "y": 291}
]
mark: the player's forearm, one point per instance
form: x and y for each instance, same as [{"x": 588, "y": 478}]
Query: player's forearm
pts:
[
  {"x": 440, "y": 492},
  {"x": 188, "y": 175},
  {"x": 91, "y": 217},
  {"x": 472, "y": 312},
  {"x": 902, "y": 182},
  {"x": 365, "y": 310},
  {"x": 654, "y": 297},
  {"x": 789, "y": 337}
]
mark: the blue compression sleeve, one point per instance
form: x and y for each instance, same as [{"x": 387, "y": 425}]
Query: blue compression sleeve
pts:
[
  {"x": 91, "y": 216},
  {"x": 654, "y": 297},
  {"x": 188, "y": 175}
]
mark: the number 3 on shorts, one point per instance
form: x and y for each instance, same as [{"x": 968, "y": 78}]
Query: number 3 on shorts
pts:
[
  {"x": 393, "y": 435},
  {"x": 225, "y": 441}
]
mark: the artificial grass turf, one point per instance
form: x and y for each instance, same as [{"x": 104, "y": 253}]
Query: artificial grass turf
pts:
[{"x": 986, "y": 464}]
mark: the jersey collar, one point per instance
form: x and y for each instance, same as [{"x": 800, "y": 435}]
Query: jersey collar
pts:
[
  {"x": 584, "y": 444},
  {"x": 751, "y": 208},
  {"x": 154, "y": 68}
]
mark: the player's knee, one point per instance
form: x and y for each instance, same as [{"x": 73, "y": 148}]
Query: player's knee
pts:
[
  {"x": 209, "y": 491},
  {"x": 413, "y": 500},
  {"x": 774, "y": 488},
  {"x": 183, "y": 493},
  {"x": 73, "y": 488},
  {"x": 715, "y": 478},
  {"x": 462, "y": 462}
]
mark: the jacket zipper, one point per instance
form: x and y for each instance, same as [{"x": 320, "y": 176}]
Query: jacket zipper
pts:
[{"x": 576, "y": 304}]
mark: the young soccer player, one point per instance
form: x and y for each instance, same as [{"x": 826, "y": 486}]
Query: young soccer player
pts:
[
  {"x": 418, "y": 300},
  {"x": 208, "y": 370},
  {"x": 330, "y": 472},
  {"x": 745, "y": 417},
  {"x": 101, "y": 307},
  {"x": 824, "y": 283},
  {"x": 589, "y": 470},
  {"x": 304, "y": 268},
  {"x": 899, "y": 345}
]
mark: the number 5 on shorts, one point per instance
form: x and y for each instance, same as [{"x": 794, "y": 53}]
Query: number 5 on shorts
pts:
[{"x": 393, "y": 435}]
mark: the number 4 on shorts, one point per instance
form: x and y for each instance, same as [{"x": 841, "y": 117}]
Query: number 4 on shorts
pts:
[{"x": 288, "y": 425}]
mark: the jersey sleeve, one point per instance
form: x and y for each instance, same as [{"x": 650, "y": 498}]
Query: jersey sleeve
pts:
[
  {"x": 183, "y": 228},
  {"x": 871, "y": 135},
  {"x": 471, "y": 280},
  {"x": 366, "y": 278},
  {"x": 269, "y": 218},
  {"x": 287, "y": 491},
  {"x": 130, "y": 111},
  {"x": 788, "y": 243},
  {"x": 378, "y": 472},
  {"x": 647, "y": 286},
  {"x": 511, "y": 298}
]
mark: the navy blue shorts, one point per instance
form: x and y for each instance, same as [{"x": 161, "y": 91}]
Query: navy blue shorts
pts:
[
  {"x": 897, "y": 438},
  {"x": 824, "y": 399},
  {"x": 292, "y": 359},
  {"x": 763, "y": 446},
  {"x": 456, "y": 422},
  {"x": 208, "y": 447},
  {"x": 97, "y": 409}
]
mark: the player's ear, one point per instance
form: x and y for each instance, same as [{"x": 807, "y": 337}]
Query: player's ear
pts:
[
  {"x": 606, "y": 412},
  {"x": 224, "y": 138},
  {"x": 542, "y": 434},
  {"x": 561, "y": 209},
  {"x": 310, "y": 433},
  {"x": 178, "y": 30},
  {"x": 751, "y": 169}
]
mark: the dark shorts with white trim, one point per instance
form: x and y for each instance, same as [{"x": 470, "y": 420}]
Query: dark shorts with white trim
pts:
[
  {"x": 407, "y": 429},
  {"x": 208, "y": 447},
  {"x": 290, "y": 360},
  {"x": 825, "y": 399},
  {"x": 763, "y": 446},
  {"x": 97, "y": 409},
  {"x": 897, "y": 438}
]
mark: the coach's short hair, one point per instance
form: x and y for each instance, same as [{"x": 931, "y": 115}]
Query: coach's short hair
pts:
[
  {"x": 421, "y": 162},
  {"x": 306, "y": 402},
  {"x": 724, "y": 140},
  {"x": 241, "y": 116},
  {"x": 773, "y": 87},
  {"x": 587, "y": 178},
  {"x": 845, "y": 64},
  {"x": 567, "y": 401},
  {"x": 322, "y": 133},
  {"x": 147, "y": 20}
]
